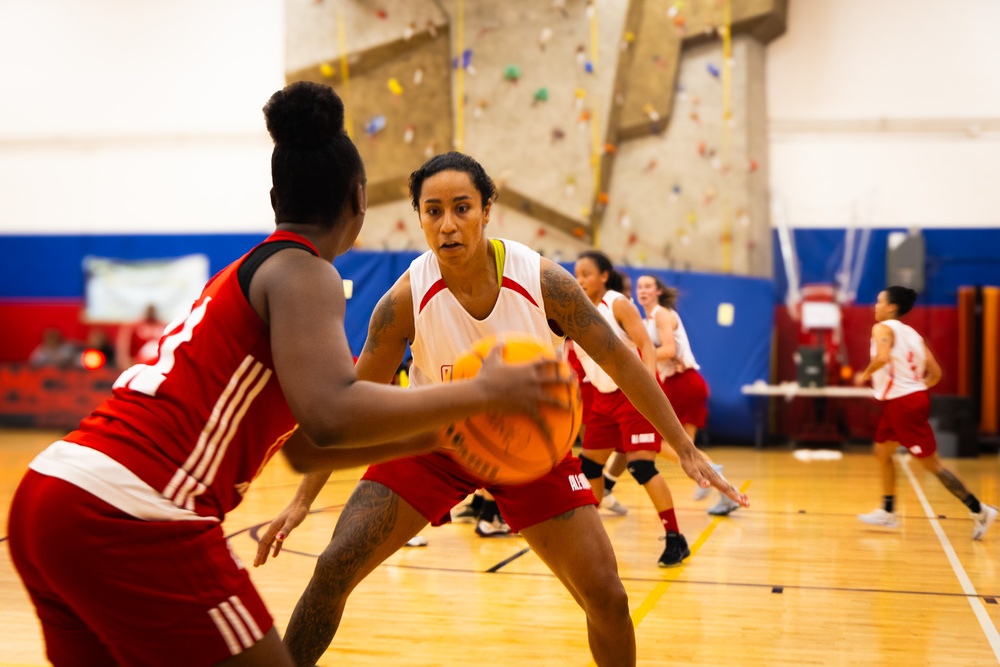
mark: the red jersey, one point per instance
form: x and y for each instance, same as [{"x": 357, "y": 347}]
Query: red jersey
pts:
[{"x": 199, "y": 422}]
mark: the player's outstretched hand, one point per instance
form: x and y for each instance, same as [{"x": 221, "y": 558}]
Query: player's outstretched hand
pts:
[
  {"x": 278, "y": 532},
  {"x": 697, "y": 467}
]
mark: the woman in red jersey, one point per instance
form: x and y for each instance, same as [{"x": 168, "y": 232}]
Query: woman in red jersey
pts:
[{"x": 116, "y": 529}]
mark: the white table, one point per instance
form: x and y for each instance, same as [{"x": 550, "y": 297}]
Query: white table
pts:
[{"x": 790, "y": 390}]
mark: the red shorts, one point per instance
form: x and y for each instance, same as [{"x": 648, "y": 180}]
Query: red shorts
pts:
[
  {"x": 112, "y": 589},
  {"x": 905, "y": 420},
  {"x": 614, "y": 423},
  {"x": 688, "y": 396},
  {"x": 587, "y": 392},
  {"x": 434, "y": 483}
]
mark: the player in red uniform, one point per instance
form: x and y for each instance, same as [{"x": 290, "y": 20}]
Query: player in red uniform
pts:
[
  {"x": 902, "y": 369},
  {"x": 116, "y": 529},
  {"x": 466, "y": 286}
]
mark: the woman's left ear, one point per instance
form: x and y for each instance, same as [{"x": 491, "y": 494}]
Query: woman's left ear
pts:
[{"x": 486, "y": 214}]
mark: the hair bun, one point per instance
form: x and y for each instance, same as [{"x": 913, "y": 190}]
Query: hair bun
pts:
[{"x": 304, "y": 113}]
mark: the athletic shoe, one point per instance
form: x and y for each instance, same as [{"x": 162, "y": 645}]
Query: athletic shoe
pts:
[
  {"x": 675, "y": 551},
  {"x": 417, "y": 541},
  {"x": 464, "y": 514},
  {"x": 724, "y": 507},
  {"x": 495, "y": 528},
  {"x": 880, "y": 517},
  {"x": 987, "y": 515},
  {"x": 700, "y": 492},
  {"x": 610, "y": 503}
]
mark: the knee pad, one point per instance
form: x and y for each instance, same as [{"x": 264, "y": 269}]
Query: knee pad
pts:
[
  {"x": 643, "y": 470},
  {"x": 591, "y": 469}
]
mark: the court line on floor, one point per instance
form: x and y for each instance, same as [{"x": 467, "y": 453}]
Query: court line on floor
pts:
[
  {"x": 661, "y": 588},
  {"x": 992, "y": 636}
]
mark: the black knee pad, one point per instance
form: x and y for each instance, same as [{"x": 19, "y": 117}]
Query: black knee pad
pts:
[
  {"x": 643, "y": 470},
  {"x": 591, "y": 469}
]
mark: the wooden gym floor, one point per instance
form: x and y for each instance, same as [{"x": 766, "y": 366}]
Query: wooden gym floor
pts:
[{"x": 794, "y": 580}]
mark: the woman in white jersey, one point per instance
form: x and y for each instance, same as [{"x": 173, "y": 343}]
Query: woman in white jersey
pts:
[
  {"x": 612, "y": 422},
  {"x": 677, "y": 370},
  {"x": 902, "y": 369},
  {"x": 465, "y": 287}
]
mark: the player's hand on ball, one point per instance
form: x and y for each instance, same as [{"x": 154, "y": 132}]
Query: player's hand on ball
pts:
[
  {"x": 278, "y": 531},
  {"x": 522, "y": 387}
]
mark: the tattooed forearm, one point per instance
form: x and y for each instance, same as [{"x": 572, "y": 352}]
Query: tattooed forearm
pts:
[
  {"x": 382, "y": 319},
  {"x": 573, "y": 310}
]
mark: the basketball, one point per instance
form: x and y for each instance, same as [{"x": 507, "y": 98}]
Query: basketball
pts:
[{"x": 509, "y": 448}]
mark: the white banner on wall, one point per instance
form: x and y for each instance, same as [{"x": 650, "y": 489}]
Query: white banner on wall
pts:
[{"x": 122, "y": 291}]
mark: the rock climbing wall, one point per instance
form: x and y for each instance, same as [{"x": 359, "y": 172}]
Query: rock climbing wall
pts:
[{"x": 613, "y": 124}]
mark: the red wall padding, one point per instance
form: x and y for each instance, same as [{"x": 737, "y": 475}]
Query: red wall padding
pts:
[
  {"x": 859, "y": 417},
  {"x": 22, "y": 324}
]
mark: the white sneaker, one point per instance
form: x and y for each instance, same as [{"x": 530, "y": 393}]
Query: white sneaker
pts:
[
  {"x": 417, "y": 541},
  {"x": 700, "y": 493},
  {"x": 879, "y": 517},
  {"x": 724, "y": 507},
  {"x": 610, "y": 503},
  {"x": 495, "y": 528},
  {"x": 987, "y": 515}
]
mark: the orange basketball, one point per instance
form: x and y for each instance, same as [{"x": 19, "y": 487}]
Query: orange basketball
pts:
[{"x": 511, "y": 448}]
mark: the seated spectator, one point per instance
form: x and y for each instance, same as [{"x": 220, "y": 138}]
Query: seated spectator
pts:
[
  {"x": 98, "y": 339},
  {"x": 54, "y": 350},
  {"x": 138, "y": 343}
]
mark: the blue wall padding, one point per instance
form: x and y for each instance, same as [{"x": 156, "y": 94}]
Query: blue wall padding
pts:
[
  {"x": 45, "y": 268},
  {"x": 954, "y": 257},
  {"x": 729, "y": 356}
]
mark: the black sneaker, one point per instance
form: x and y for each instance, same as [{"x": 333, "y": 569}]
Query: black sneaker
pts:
[{"x": 676, "y": 550}]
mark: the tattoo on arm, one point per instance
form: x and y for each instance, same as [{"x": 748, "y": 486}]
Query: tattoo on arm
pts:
[
  {"x": 573, "y": 309},
  {"x": 383, "y": 318}
]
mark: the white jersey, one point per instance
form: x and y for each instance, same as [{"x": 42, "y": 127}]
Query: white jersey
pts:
[
  {"x": 443, "y": 329},
  {"x": 904, "y": 374},
  {"x": 595, "y": 374},
  {"x": 684, "y": 356}
]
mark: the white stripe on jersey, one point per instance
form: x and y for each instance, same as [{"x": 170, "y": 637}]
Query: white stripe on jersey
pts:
[
  {"x": 227, "y": 416},
  {"x": 225, "y": 631},
  {"x": 218, "y": 433},
  {"x": 213, "y": 419},
  {"x": 100, "y": 475},
  {"x": 244, "y": 406}
]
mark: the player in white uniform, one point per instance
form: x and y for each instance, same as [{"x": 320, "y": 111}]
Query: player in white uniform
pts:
[
  {"x": 902, "y": 369},
  {"x": 678, "y": 371},
  {"x": 464, "y": 288},
  {"x": 613, "y": 423}
]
